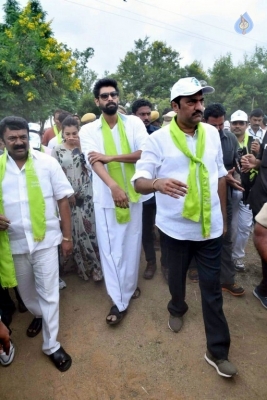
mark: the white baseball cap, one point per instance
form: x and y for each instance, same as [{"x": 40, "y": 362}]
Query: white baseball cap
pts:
[
  {"x": 239, "y": 115},
  {"x": 189, "y": 86}
]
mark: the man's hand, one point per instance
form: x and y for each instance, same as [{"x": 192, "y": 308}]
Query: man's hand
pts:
[
  {"x": 72, "y": 201},
  {"x": 66, "y": 248},
  {"x": 4, "y": 337},
  {"x": 171, "y": 187},
  {"x": 119, "y": 196},
  {"x": 4, "y": 223},
  {"x": 255, "y": 146},
  {"x": 93, "y": 157},
  {"x": 233, "y": 182},
  {"x": 248, "y": 161}
]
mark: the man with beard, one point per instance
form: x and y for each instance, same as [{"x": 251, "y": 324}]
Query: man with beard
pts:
[
  {"x": 183, "y": 164},
  {"x": 112, "y": 144}
]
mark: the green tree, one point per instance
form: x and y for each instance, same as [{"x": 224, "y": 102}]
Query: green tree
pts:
[
  {"x": 37, "y": 73},
  {"x": 149, "y": 70}
]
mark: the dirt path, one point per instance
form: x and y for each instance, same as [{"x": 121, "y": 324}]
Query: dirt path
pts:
[{"x": 141, "y": 358}]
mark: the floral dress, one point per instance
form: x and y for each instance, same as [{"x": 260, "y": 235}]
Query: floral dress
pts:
[{"x": 85, "y": 248}]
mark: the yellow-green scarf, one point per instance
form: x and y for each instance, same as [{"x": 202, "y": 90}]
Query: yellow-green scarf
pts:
[
  {"x": 115, "y": 170},
  {"x": 37, "y": 216},
  {"x": 57, "y": 134},
  {"x": 195, "y": 206}
]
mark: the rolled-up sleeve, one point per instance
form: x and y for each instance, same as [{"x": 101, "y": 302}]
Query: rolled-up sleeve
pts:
[
  {"x": 60, "y": 184},
  {"x": 150, "y": 160}
]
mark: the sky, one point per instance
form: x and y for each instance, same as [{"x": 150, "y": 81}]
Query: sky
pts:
[{"x": 198, "y": 30}]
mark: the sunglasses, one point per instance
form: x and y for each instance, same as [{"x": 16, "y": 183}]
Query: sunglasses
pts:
[{"x": 105, "y": 96}]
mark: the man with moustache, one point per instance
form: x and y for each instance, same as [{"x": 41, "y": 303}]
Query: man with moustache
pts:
[
  {"x": 33, "y": 190},
  {"x": 142, "y": 109},
  {"x": 183, "y": 164},
  {"x": 112, "y": 144},
  {"x": 242, "y": 214}
]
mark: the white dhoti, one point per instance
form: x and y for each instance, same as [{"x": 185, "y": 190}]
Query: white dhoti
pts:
[
  {"x": 38, "y": 284},
  {"x": 120, "y": 249}
]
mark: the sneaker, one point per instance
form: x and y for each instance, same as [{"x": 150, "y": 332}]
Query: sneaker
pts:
[
  {"x": 62, "y": 284},
  {"x": 262, "y": 299},
  {"x": 150, "y": 270},
  {"x": 233, "y": 288},
  {"x": 193, "y": 275},
  {"x": 239, "y": 265},
  {"x": 223, "y": 367},
  {"x": 5, "y": 359},
  {"x": 175, "y": 323}
]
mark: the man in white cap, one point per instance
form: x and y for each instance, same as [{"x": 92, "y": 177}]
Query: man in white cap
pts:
[
  {"x": 183, "y": 164},
  {"x": 242, "y": 214}
]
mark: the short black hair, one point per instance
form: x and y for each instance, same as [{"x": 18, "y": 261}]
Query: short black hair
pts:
[
  {"x": 214, "y": 110},
  {"x": 257, "y": 112},
  {"x": 63, "y": 115},
  {"x": 177, "y": 100},
  {"x": 104, "y": 83},
  {"x": 13, "y": 123},
  {"x": 70, "y": 121},
  {"x": 140, "y": 103},
  {"x": 58, "y": 111}
]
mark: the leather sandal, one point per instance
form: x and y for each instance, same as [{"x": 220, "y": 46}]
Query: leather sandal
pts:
[
  {"x": 35, "y": 327},
  {"x": 136, "y": 293},
  {"x": 114, "y": 312},
  {"x": 61, "y": 359}
]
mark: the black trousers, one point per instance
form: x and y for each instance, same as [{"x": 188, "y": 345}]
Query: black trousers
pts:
[
  {"x": 262, "y": 287},
  {"x": 208, "y": 258},
  {"x": 148, "y": 220}
]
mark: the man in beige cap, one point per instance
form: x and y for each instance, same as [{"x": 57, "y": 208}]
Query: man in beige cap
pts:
[{"x": 183, "y": 164}]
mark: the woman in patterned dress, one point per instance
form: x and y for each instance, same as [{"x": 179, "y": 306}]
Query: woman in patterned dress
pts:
[{"x": 85, "y": 248}]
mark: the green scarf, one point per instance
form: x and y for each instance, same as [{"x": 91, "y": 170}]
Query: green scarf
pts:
[
  {"x": 57, "y": 134},
  {"x": 195, "y": 206},
  {"x": 37, "y": 215},
  {"x": 115, "y": 170},
  {"x": 253, "y": 172}
]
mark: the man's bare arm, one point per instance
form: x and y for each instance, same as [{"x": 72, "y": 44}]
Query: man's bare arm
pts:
[
  {"x": 94, "y": 156},
  {"x": 168, "y": 186}
]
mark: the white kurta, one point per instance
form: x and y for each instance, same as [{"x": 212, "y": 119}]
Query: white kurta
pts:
[
  {"x": 119, "y": 244},
  {"x": 36, "y": 263}
]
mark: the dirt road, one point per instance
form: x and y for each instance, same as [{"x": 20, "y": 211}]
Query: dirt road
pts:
[{"x": 141, "y": 358}]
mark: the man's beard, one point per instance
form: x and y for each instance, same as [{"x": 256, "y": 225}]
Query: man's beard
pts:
[{"x": 110, "y": 109}]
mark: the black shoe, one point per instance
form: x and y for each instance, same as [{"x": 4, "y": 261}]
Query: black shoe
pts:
[{"x": 150, "y": 270}]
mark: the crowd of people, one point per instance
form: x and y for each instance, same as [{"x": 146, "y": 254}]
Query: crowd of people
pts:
[{"x": 88, "y": 198}]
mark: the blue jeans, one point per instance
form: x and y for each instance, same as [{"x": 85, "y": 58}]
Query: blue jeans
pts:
[{"x": 208, "y": 259}]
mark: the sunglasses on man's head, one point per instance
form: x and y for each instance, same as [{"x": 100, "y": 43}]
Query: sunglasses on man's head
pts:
[{"x": 105, "y": 96}]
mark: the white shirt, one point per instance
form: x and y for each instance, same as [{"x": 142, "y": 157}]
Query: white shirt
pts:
[
  {"x": 258, "y": 135},
  {"x": 54, "y": 185},
  {"x": 91, "y": 139},
  {"x": 162, "y": 159},
  {"x": 52, "y": 143}
]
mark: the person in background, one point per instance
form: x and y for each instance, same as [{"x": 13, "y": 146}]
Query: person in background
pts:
[
  {"x": 142, "y": 108},
  {"x": 242, "y": 214},
  {"x": 255, "y": 121},
  {"x": 58, "y": 138},
  {"x": 88, "y": 117},
  {"x": 69, "y": 156},
  {"x": 54, "y": 130}
]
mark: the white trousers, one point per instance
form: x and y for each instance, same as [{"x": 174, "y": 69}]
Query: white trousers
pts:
[
  {"x": 241, "y": 225},
  {"x": 120, "y": 249},
  {"x": 38, "y": 284}
]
